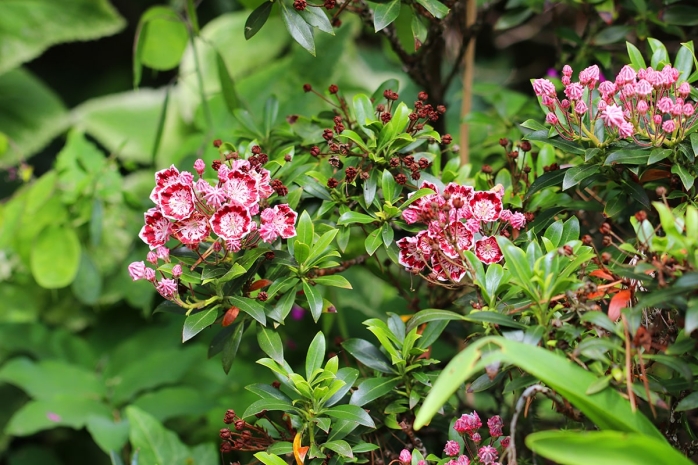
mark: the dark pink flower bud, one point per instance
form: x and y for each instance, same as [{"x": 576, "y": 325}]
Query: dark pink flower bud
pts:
[
  {"x": 152, "y": 258},
  {"x": 565, "y": 104},
  {"x": 669, "y": 125},
  {"x": 137, "y": 270},
  {"x": 641, "y": 107},
  {"x": 580, "y": 108},
  {"x": 567, "y": 70},
  {"x": 574, "y": 91},
  {"x": 452, "y": 448},
  {"x": 688, "y": 109},
  {"x": 543, "y": 87},
  {"x": 657, "y": 119},
  {"x": 505, "y": 441},
  {"x": 163, "y": 253},
  {"x": 551, "y": 118},
  {"x": 487, "y": 455},
  {"x": 199, "y": 166},
  {"x": 405, "y": 457},
  {"x": 665, "y": 104},
  {"x": 167, "y": 288},
  {"x": 476, "y": 438},
  {"x": 177, "y": 271},
  {"x": 684, "y": 90},
  {"x": 627, "y": 74},
  {"x": 149, "y": 275}
]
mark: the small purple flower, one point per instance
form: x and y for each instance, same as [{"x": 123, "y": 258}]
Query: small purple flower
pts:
[
  {"x": 297, "y": 312},
  {"x": 552, "y": 72}
]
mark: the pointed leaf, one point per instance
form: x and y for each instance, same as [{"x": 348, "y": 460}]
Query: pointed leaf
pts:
[{"x": 298, "y": 28}]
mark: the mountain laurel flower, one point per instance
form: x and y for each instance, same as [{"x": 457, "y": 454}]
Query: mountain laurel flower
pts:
[
  {"x": 486, "y": 206},
  {"x": 626, "y": 74},
  {"x": 517, "y": 220},
  {"x": 688, "y": 109},
  {"x": 574, "y": 91},
  {"x": 566, "y": 80},
  {"x": 487, "y": 455},
  {"x": 589, "y": 76},
  {"x": 495, "y": 425},
  {"x": 177, "y": 271},
  {"x": 665, "y": 104},
  {"x": 476, "y": 438},
  {"x": 606, "y": 89},
  {"x": 677, "y": 109},
  {"x": 626, "y": 129},
  {"x": 657, "y": 119},
  {"x": 405, "y": 457},
  {"x": 277, "y": 221},
  {"x": 548, "y": 102},
  {"x": 551, "y": 118},
  {"x": 468, "y": 423},
  {"x": 669, "y": 126},
  {"x": 564, "y": 104},
  {"x": 193, "y": 230},
  {"x": 543, "y": 87},
  {"x": 487, "y": 250},
  {"x": 149, "y": 275},
  {"x": 152, "y": 258},
  {"x": 231, "y": 222},
  {"x": 137, "y": 270},
  {"x": 504, "y": 442},
  {"x": 156, "y": 230},
  {"x": 612, "y": 115},
  {"x": 452, "y": 448},
  {"x": 580, "y": 108},
  {"x": 641, "y": 107},
  {"x": 167, "y": 288},
  {"x": 463, "y": 460},
  {"x": 199, "y": 166},
  {"x": 163, "y": 253},
  {"x": 683, "y": 90}
]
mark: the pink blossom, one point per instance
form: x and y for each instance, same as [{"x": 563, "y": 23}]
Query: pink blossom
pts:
[
  {"x": 607, "y": 88},
  {"x": 177, "y": 201},
  {"x": 643, "y": 88},
  {"x": 263, "y": 178},
  {"x": 463, "y": 460},
  {"x": 551, "y": 118},
  {"x": 548, "y": 102},
  {"x": 487, "y": 455},
  {"x": 580, "y": 108},
  {"x": 137, "y": 270},
  {"x": 186, "y": 178},
  {"x": 468, "y": 423},
  {"x": 232, "y": 221},
  {"x": 487, "y": 250},
  {"x": 473, "y": 225},
  {"x": 201, "y": 186},
  {"x": 446, "y": 270},
  {"x": 688, "y": 109},
  {"x": 504, "y": 442},
  {"x": 505, "y": 215},
  {"x": 149, "y": 275},
  {"x": 626, "y": 129},
  {"x": 612, "y": 115},
  {"x": 156, "y": 230},
  {"x": 543, "y": 87},
  {"x": 405, "y": 457},
  {"x": 683, "y": 90},
  {"x": 459, "y": 238},
  {"x": 517, "y": 220},
  {"x": 566, "y": 80},
  {"x": 152, "y": 258},
  {"x": 626, "y": 74},
  {"x": 671, "y": 74},
  {"x": 242, "y": 188},
  {"x": 565, "y": 104},
  {"x": 233, "y": 245},
  {"x": 628, "y": 91},
  {"x": 452, "y": 448},
  {"x": 215, "y": 197},
  {"x": 177, "y": 271},
  {"x": 641, "y": 107},
  {"x": 677, "y": 109},
  {"x": 589, "y": 76},
  {"x": 199, "y": 166},
  {"x": 486, "y": 206},
  {"x": 495, "y": 425},
  {"x": 458, "y": 198},
  {"x": 567, "y": 70},
  {"x": 163, "y": 253},
  {"x": 167, "y": 288},
  {"x": 414, "y": 252},
  {"x": 574, "y": 91},
  {"x": 164, "y": 178},
  {"x": 665, "y": 104},
  {"x": 426, "y": 208},
  {"x": 669, "y": 125},
  {"x": 193, "y": 230},
  {"x": 602, "y": 105},
  {"x": 476, "y": 438},
  {"x": 277, "y": 221},
  {"x": 223, "y": 172}
]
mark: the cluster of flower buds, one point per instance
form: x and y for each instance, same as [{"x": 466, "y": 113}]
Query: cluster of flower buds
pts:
[
  {"x": 243, "y": 436},
  {"x": 457, "y": 219},
  {"x": 649, "y": 106},
  {"x": 468, "y": 426},
  {"x": 223, "y": 217}
]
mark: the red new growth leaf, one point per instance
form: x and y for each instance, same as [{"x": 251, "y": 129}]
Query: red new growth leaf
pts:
[
  {"x": 601, "y": 274},
  {"x": 619, "y": 301}
]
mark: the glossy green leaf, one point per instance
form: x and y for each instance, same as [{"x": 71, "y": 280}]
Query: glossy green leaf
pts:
[
  {"x": 373, "y": 388},
  {"x": 197, "y": 322},
  {"x": 250, "y": 306},
  {"x": 577, "y": 174},
  {"x": 431, "y": 314},
  {"x": 257, "y": 19},
  {"x": 162, "y": 38},
  {"x": 269, "y": 459},
  {"x": 29, "y": 28},
  {"x": 681, "y": 15},
  {"x": 298, "y": 28},
  {"x": 315, "y": 356},
  {"x": 267, "y": 404},
  {"x": 270, "y": 343},
  {"x": 686, "y": 177},
  {"x": 341, "y": 447},
  {"x": 384, "y": 13},
  {"x": 108, "y": 434},
  {"x": 334, "y": 280},
  {"x": 435, "y": 7},
  {"x": 230, "y": 348},
  {"x": 304, "y": 229},
  {"x": 607, "y": 409},
  {"x": 373, "y": 241},
  {"x": 355, "y": 217},
  {"x": 494, "y": 317},
  {"x": 636, "y": 59},
  {"x": 549, "y": 179},
  {"x": 55, "y": 257},
  {"x": 351, "y": 413},
  {"x": 603, "y": 448},
  {"x": 316, "y": 17},
  {"x": 315, "y": 302},
  {"x": 39, "y": 415},
  {"x": 368, "y": 354},
  {"x": 154, "y": 443}
]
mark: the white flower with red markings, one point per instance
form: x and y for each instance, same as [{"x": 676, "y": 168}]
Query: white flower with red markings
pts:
[
  {"x": 486, "y": 206},
  {"x": 177, "y": 201},
  {"x": 487, "y": 250},
  {"x": 414, "y": 252},
  {"x": 242, "y": 188},
  {"x": 192, "y": 230},
  {"x": 156, "y": 230},
  {"x": 277, "y": 221},
  {"x": 232, "y": 221}
]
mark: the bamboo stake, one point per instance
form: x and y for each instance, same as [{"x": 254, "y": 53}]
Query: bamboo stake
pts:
[{"x": 468, "y": 65}]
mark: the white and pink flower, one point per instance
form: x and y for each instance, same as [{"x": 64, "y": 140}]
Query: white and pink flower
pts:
[
  {"x": 156, "y": 230},
  {"x": 177, "y": 201},
  {"x": 487, "y": 250},
  {"x": 277, "y": 221},
  {"x": 192, "y": 230},
  {"x": 486, "y": 206},
  {"x": 232, "y": 221}
]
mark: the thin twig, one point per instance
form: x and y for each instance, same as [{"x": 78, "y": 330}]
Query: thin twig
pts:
[{"x": 520, "y": 404}]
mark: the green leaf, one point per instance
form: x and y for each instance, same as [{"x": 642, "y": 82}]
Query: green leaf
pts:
[
  {"x": 315, "y": 302},
  {"x": 629, "y": 157},
  {"x": 162, "y": 38},
  {"x": 315, "y": 356},
  {"x": 681, "y": 15},
  {"x": 268, "y": 403},
  {"x": 230, "y": 349},
  {"x": 691, "y": 321},
  {"x": 298, "y": 28},
  {"x": 232, "y": 100},
  {"x": 577, "y": 174},
  {"x": 690, "y": 402},
  {"x": 31, "y": 114},
  {"x": 384, "y": 13},
  {"x": 270, "y": 343},
  {"x": 170, "y": 402},
  {"x": 610, "y": 35},
  {"x": 373, "y": 241},
  {"x": 370, "y": 186},
  {"x": 602, "y": 448},
  {"x": 334, "y": 280},
  {"x": 431, "y": 314},
  {"x": 684, "y": 60},
  {"x": 515, "y": 260},
  {"x": 39, "y": 415},
  {"x": 562, "y": 144},
  {"x": 355, "y": 217},
  {"x": 29, "y": 28},
  {"x": 419, "y": 31},
  {"x": 304, "y": 229},
  {"x": 351, "y": 413},
  {"x": 636, "y": 59},
  {"x": 341, "y": 447},
  {"x": 250, "y": 306},
  {"x": 659, "y": 53},
  {"x": 686, "y": 178},
  {"x": 316, "y": 17},
  {"x": 156, "y": 445},
  {"x": 269, "y": 459},
  {"x": 197, "y": 322},
  {"x": 363, "y": 109},
  {"x": 387, "y": 235},
  {"x": 494, "y": 317},
  {"x": 55, "y": 257},
  {"x": 87, "y": 286},
  {"x": 368, "y": 354},
  {"x": 607, "y": 409},
  {"x": 549, "y": 179},
  {"x": 391, "y": 189},
  {"x": 257, "y": 19},
  {"x": 435, "y": 7},
  {"x": 373, "y": 388},
  {"x": 107, "y": 433}
]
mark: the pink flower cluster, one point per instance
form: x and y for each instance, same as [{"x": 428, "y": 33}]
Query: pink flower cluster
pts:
[
  {"x": 467, "y": 426},
  {"x": 190, "y": 211},
  {"x": 457, "y": 219},
  {"x": 649, "y": 104}
]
